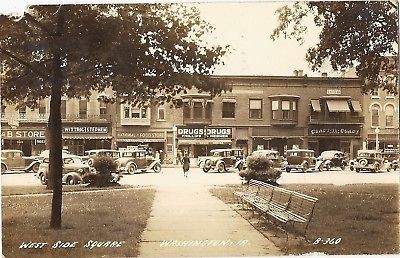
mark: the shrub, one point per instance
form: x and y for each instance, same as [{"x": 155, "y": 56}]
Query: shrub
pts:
[
  {"x": 260, "y": 168},
  {"x": 105, "y": 165},
  {"x": 105, "y": 168}
]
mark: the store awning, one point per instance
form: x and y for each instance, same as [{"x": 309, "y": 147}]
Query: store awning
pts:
[
  {"x": 338, "y": 105},
  {"x": 316, "y": 105},
  {"x": 86, "y": 137},
  {"x": 356, "y": 106},
  {"x": 203, "y": 142},
  {"x": 229, "y": 100},
  {"x": 141, "y": 140}
]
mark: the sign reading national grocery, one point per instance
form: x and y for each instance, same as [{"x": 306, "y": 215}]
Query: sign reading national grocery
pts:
[
  {"x": 315, "y": 130},
  {"x": 85, "y": 129},
  {"x": 204, "y": 133},
  {"x": 25, "y": 134},
  {"x": 141, "y": 135}
]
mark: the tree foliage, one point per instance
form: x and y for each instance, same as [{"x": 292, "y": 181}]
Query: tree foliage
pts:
[
  {"x": 144, "y": 52},
  {"x": 360, "y": 34}
]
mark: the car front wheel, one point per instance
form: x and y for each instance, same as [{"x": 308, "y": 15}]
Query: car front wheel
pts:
[
  {"x": 221, "y": 167},
  {"x": 131, "y": 169},
  {"x": 328, "y": 166},
  {"x": 43, "y": 179},
  {"x": 157, "y": 168},
  {"x": 35, "y": 168},
  {"x": 3, "y": 168},
  {"x": 71, "y": 180},
  {"x": 305, "y": 167},
  {"x": 207, "y": 166}
]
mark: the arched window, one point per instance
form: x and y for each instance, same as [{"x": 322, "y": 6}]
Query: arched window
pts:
[
  {"x": 389, "y": 112},
  {"x": 375, "y": 116}
]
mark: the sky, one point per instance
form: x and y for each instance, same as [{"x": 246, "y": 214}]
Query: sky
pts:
[{"x": 246, "y": 27}]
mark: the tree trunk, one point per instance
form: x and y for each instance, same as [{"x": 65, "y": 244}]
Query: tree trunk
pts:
[
  {"x": 56, "y": 127},
  {"x": 49, "y": 184}
]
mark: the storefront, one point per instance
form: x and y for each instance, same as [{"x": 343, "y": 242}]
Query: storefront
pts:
[
  {"x": 80, "y": 138},
  {"x": 386, "y": 140},
  {"x": 154, "y": 140},
  {"x": 30, "y": 140},
  {"x": 198, "y": 141},
  {"x": 278, "y": 138},
  {"x": 345, "y": 138}
]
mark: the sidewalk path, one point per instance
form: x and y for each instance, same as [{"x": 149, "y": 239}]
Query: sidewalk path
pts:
[{"x": 187, "y": 220}]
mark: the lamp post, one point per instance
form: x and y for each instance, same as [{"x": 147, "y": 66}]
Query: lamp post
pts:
[
  {"x": 174, "y": 151},
  {"x": 376, "y": 138}
]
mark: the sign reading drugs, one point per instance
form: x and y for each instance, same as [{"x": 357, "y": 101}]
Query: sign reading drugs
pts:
[
  {"x": 204, "y": 133},
  {"x": 25, "y": 134},
  {"x": 219, "y": 133},
  {"x": 190, "y": 133}
]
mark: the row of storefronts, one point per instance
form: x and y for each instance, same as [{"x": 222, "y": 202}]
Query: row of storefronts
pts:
[
  {"x": 277, "y": 113},
  {"x": 196, "y": 140}
]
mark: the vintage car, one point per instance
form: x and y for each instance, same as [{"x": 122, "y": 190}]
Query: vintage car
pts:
[
  {"x": 132, "y": 160},
  {"x": 392, "y": 156},
  {"x": 14, "y": 160},
  {"x": 73, "y": 170},
  {"x": 301, "y": 159},
  {"x": 272, "y": 155},
  {"x": 91, "y": 154},
  {"x": 370, "y": 161},
  {"x": 223, "y": 160},
  {"x": 332, "y": 159}
]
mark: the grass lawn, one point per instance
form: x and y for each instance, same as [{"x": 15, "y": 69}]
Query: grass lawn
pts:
[
  {"x": 26, "y": 189},
  {"x": 364, "y": 216},
  {"x": 102, "y": 216}
]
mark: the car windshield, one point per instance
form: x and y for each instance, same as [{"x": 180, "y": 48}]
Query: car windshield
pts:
[
  {"x": 72, "y": 161},
  {"x": 127, "y": 154},
  {"x": 107, "y": 153},
  {"x": 306, "y": 154},
  {"x": 366, "y": 155},
  {"x": 217, "y": 154},
  {"x": 237, "y": 153}
]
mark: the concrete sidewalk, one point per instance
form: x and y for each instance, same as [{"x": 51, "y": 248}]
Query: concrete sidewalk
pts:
[{"x": 186, "y": 220}]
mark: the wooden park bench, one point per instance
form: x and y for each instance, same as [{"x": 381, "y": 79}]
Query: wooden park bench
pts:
[{"x": 283, "y": 206}]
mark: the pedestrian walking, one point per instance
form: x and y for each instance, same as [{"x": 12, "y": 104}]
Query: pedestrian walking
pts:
[
  {"x": 179, "y": 157},
  {"x": 186, "y": 165}
]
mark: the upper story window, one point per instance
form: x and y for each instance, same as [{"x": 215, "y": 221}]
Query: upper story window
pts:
[
  {"x": 130, "y": 112},
  {"x": 375, "y": 116},
  {"x": 389, "y": 112},
  {"x": 42, "y": 109},
  {"x": 228, "y": 108},
  {"x": 375, "y": 93},
  {"x": 284, "y": 109},
  {"x": 22, "y": 112},
  {"x": 161, "y": 113},
  {"x": 197, "y": 109},
  {"x": 255, "y": 109},
  {"x": 63, "y": 109},
  {"x": 3, "y": 111},
  {"x": 83, "y": 108},
  {"x": 103, "y": 109}
]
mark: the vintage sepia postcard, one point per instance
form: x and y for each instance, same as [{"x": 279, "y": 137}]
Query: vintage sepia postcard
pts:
[{"x": 199, "y": 129}]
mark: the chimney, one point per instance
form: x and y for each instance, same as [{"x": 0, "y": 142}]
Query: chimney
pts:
[
  {"x": 300, "y": 73},
  {"x": 296, "y": 73},
  {"x": 324, "y": 74}
]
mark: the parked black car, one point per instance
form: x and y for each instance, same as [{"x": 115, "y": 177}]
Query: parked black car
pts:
[{"x": 332, "y": 159}]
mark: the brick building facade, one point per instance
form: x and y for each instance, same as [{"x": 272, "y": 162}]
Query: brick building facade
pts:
[{"x": 260, "y": 112}]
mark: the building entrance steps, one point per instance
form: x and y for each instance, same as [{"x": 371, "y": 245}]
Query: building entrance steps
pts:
[{"x": 187, "y": 221}]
